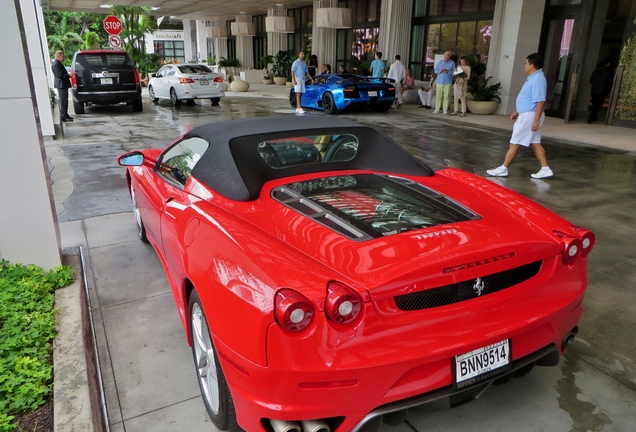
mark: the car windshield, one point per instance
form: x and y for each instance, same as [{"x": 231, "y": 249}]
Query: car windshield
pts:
[
  {"x": 308, "y": 149},
  {"x": 375, "y": 205},
  {"x": 193, "y": 69}
]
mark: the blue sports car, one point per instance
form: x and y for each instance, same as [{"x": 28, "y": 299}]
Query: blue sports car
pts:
[{"x": 335, "y": 93}]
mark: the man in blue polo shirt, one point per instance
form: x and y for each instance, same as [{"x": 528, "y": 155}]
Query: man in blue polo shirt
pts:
[
  {"x": 529, "y": 118},
  {"x": 300, "y": 71},
  {"x": 444, "y": 71}
]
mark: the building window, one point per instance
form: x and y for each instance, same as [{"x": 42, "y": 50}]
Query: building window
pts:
[
  {"x": 356, "y": 47},
  {"x": 302, "y": 38},
  {"x": 460, "y": 26},
  {"x": 170, "y": 51}
]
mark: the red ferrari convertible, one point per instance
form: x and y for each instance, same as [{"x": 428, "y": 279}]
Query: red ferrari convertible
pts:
[{"x": 328, "y": 281}]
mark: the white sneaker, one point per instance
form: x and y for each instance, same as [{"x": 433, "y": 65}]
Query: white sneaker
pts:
[
  {"x": 300, "y": 111},
  {"x": 445, "y": 112},
  {"x": 436, "y": 112},
  {"x": 500, "y": 171},
  {"x": 544, "y": 172}
]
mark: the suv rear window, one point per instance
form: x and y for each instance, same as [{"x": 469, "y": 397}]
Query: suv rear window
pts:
[{"x": 103, "y": 60}]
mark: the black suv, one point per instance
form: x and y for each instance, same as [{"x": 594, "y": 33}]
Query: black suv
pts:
[{"x": 104, "y": 77}]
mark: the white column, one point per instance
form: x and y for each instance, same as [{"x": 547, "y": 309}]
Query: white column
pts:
[
  {"x": 395, "y": 30},
  {"x": 324, "y": 39},
  {"x": 276, "y": 41},
  {"x": 244, "y": 45},
  {"x": 202, "y": 41},
  {"x": 516, "y": 29},
  {"x": 28, "y": 223},
  {"x": 187, "y": 40},
  {"x": 40, "y": 62}
]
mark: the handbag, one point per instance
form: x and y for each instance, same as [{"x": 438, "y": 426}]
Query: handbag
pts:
[{"x": 459, "y": 73}]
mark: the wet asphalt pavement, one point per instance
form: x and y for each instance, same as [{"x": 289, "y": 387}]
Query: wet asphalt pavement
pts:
[{"x": 594, "y": 388}]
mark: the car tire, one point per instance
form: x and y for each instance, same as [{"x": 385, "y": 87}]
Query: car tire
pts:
[
  {"x": 141, "y": 228},
  {"x": 78, "y": 107},
  {"x": 138, "y": 105},
  {"x": 215, "y": 101},
  {"x": 151, "y": 94},
  {"x": 173, "y": 97},
  {"x": 382, "y": 108},
  {"x": 214, "y": 390},
  {"x": 328, "y": 104},
  {"x": 292, "y": 98}
]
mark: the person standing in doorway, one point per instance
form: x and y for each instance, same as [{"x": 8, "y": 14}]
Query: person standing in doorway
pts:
[
  {"x": 444, "y": 71},
  {"x": 528, "y": 118},
  {"x": 62, "y": 82},
  {"x": 377, "y": 66},
  {"x": 299, "y": 71},
  {"x": 397, "y": 72},
  {"x": 602, "y": 80},
  {"x": 312, "y": 65}
]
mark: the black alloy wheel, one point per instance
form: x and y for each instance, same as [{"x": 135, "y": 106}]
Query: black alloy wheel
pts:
[
  {"x": 328, "y": 104},
  {"x": 292, "y": 98}
]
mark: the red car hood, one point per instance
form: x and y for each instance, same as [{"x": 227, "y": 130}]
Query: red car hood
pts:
[{"x": 415, "y": 260}]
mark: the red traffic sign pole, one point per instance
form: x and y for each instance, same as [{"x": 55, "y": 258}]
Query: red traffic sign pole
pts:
[{"x": 112, "y": 25}]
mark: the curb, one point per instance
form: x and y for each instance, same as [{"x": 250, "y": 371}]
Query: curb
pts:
[{"x": 77, "y": 395}]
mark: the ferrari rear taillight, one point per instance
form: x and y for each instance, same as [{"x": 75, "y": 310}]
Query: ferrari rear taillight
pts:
[
  {"x": 137, "y": 78},
  {"x": 293, "y": 311},
  {"x": 218, "y": 79},
  {"x": 343, "y": 304},
  {"x": 572, "y": 247},
  {"x": 186, "y": 80},
  {"x": 588, "y": 239}
]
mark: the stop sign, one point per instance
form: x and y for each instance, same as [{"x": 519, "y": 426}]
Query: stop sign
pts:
[{"x": 112, "y": 25}]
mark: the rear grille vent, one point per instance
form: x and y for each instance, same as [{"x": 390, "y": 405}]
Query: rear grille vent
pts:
[{"x": 467, "y": 290}]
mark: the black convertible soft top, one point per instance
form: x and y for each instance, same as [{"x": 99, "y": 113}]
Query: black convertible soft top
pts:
[{"x": 233, "y": 167}]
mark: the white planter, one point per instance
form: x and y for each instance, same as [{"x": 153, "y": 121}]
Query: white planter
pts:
[
  {"x": 482, "y": 107},
  {"x": 239, "y": 86},
  {"x": 267, "y": 81},
  {"x": 280, "y": 80}
]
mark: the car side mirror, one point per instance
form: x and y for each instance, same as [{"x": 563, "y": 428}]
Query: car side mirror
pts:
[{"x": 131, "y": 159}]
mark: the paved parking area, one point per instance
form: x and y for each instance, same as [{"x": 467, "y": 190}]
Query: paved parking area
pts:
[{"x": 146, "y": 364}]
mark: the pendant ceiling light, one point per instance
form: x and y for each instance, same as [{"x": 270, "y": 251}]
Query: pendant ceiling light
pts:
[{"x": 337, "y": 18}]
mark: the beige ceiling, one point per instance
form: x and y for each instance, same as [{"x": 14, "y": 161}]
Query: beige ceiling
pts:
[{"x": 189, "y": 9}]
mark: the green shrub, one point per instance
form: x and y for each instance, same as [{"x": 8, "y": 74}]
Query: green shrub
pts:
[{"x": 27, "y": 327}]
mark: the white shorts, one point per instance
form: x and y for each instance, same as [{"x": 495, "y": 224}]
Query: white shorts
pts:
[
  {"x": 300, "y": 86},
  {"x": 522, "y": 133}
]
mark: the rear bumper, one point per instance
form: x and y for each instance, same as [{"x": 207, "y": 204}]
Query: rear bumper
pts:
[
  {"x": 188, "y": 92},
  {"x": 367, "y": 384},
  {"x": 107, "y": 97}
]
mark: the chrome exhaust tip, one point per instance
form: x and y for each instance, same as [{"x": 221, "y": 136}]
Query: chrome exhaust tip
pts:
[
  {"x": 315, "y": 426},
  {"x": 569, "y": 338},
  {"x": 284, "y": 426}
]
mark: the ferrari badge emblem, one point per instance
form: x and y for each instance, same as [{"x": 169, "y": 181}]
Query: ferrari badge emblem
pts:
[{"x": 478, "y": 286}]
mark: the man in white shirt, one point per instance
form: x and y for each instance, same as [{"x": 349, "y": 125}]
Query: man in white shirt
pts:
[{"x": 397, "y": 72}]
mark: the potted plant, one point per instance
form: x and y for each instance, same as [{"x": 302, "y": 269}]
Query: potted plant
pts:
[
  {"x": 282, "y": 67},
  {"x": 264, "y": 62},
  {"x": 228, "y": 68},
  {"x": 485, "y": 97}
]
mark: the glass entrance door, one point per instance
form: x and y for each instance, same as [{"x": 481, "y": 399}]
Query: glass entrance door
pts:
[{"x": 556, "y": 65}]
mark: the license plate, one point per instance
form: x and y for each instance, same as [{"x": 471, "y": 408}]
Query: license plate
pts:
[
  {"x": 481, "y": 364},
  {"x": 204, "y": 82},
  {"x": 373, "y": 93},
  {"x": 106, "y": 81}
]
